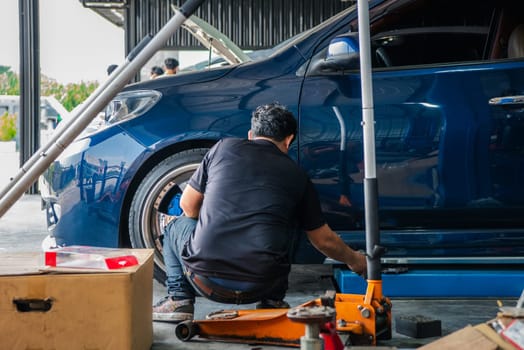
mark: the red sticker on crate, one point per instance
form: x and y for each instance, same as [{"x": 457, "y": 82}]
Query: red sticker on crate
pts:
[
  {"x": 121, "y": 261},
  {"x": 50, "y": 258}
]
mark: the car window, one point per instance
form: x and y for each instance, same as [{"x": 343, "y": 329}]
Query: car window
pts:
[
  {"x": 429, "y": 45},
  {"x": 443, "y": 31}
]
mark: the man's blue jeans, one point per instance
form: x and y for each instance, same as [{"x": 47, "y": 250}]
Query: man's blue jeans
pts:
[{"x": 176, "y": 236}]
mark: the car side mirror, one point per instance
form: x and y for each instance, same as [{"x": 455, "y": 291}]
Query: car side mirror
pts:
[{"x": 342, "y": 55}]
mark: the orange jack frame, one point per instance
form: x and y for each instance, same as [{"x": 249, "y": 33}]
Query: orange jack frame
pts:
[{"x": 365, "y": 318}]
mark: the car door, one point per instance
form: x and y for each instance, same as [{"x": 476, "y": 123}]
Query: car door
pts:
[{"x": 448, "y": 130}]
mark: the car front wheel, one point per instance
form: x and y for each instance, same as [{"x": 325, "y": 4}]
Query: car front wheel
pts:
[{"x": 146, "y": 223}]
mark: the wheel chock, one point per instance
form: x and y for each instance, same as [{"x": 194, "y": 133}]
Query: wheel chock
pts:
[{"x": 418, "y": 326}]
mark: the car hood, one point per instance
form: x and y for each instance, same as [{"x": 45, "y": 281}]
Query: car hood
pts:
[
  {"x": 213, "y": 39},
  {"x": 183, "y": 78}
]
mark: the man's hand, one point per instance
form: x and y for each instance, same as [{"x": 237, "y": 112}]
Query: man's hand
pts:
[
  {"x": 359, "y": 266},
  {"x": 331, "y": 245}
]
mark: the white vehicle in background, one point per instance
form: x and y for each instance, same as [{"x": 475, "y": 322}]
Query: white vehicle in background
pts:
[{"x": 51, "y": 113}]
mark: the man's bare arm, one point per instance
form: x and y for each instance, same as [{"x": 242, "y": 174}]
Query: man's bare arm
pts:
[
  {"x": 330, "y": 244},
  {"x": 191, "y": 202}
]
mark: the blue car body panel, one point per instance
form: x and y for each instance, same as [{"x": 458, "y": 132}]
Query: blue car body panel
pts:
[
  {"x": 89, "y": 186},
  {"x": 449, "y": 173},
  {"x": 437, "y": 158}
]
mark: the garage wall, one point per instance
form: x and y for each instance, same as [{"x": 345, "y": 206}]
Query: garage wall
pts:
[{"x": 251, "y": 24}]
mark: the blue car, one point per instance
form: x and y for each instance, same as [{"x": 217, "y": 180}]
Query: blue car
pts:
[{"x": 448, "y": 78}]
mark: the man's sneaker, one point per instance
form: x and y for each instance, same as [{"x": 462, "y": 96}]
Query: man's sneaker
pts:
[
  {"x": 171, "y": 310},
  {"x": 272, "y": 304}
]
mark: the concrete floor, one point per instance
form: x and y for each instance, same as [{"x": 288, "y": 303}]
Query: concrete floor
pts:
[{"x": 22, "y": 228}]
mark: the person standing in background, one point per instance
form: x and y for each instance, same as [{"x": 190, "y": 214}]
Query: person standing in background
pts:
[
  {"x": 171, "y": 66},
  {"x": 156, "y": 71}
]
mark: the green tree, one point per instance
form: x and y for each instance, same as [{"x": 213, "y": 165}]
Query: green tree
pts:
[
  {"x": 4, "y": 69},
  {"x": 7, "y": 127},
  {"x": 9, "y": 81},
  {"x": 74, "y": 94}
]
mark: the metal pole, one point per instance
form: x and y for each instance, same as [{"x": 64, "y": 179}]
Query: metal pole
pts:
[
  {"x": 368, "y": 125},
  {"x": 93, "y": 105},
  {"x": 29, "y": 117}
]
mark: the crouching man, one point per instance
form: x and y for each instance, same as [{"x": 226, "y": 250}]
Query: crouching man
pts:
[{"x": 242, "y": 208}]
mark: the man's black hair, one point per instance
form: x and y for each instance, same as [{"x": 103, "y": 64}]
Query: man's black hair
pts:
[
  {"x": 171, "y": 63},
  {"x": 274, "y": 121},
  {"x": 157, "y": 70}
]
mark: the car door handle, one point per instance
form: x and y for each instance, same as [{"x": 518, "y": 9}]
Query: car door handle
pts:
[{"x": 507, "y": 101}]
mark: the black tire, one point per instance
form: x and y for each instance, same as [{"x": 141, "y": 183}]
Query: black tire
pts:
[{"x": 145, "y": 222}]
